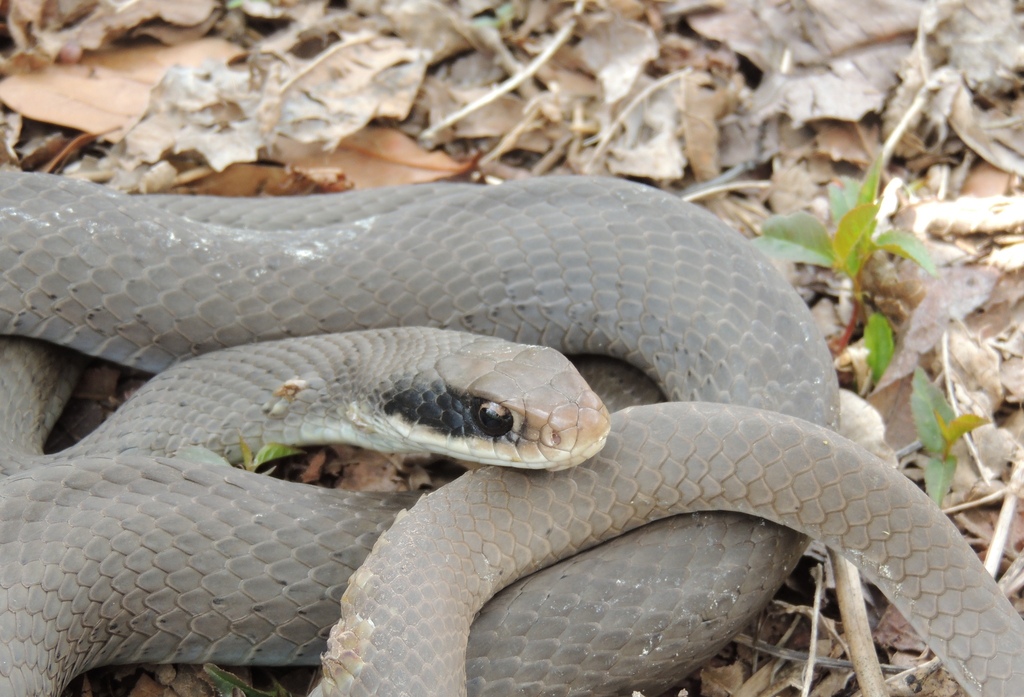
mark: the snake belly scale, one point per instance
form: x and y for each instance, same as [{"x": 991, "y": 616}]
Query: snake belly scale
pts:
[{"x": 582, "y": 265}]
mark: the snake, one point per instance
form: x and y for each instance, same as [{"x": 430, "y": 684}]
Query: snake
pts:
[{"x": 118, "y": 558}]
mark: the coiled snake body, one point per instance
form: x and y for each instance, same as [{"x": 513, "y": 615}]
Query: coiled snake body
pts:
[{"x": 121, "y": 559}]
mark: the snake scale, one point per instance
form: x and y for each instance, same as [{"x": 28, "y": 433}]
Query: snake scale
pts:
[{"x": 596, "y": 266}]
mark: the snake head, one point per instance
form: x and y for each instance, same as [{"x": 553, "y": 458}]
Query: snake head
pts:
[{"x": 494, "y": 402}]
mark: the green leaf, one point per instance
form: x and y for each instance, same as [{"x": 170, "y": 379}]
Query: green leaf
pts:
[
  {"x": 928, "y": 405},
  {"x": 246, "y": 454},
  {"x": 842, "y": 197},
  {"x": 503, "y": 16},
  {"x": 853, "y": 238},
  {"x": 797, "y": 237},
  {"x": 201, "y": 455},
  {"x": 226, "y": 683},
  {"x": 274, "y": 451},
  {"x": 938, "y": 477},
  {"x": 879, "y": 343},
  {"x": 960, "y": 426},
  {"x": 907, "y": 246},
  {"x": 869, "y": 189}
]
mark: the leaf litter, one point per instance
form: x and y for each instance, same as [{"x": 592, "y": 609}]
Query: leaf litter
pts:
[{"x": 750, "y": 108}]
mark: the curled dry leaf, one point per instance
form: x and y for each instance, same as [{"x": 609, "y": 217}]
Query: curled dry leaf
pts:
[
  {"x": 232, "y": 114},
  {"x": 955, "y": 293},
  {"x": 1011, "y": 374},
  {"x": 830, "y": 60},
  {"x": 617, "y": 50},
  {"x": 976, "y": 365},
  {"x": 647, "y": 145},
  {"x": 980, "y": 40},
  {"x": 966, "y": 58},
  {"x": 106, "y": 92},
  {"x": 862, "y": 424},
  {"x": 43, "y": 31},
  {"x": 964, "y": 216},
  {"x": 383, "y": 157}
]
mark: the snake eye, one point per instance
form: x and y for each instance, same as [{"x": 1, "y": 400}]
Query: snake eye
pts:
[{"x": 493, "y": 419}]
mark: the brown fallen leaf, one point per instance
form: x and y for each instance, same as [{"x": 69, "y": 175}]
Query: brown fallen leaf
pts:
[
  {"x": 964, "y": 216},
  {"x": 249, "y": 179},
  {"x": 617, "y": 50},
  {"x": 840, "y": 58},
  {"x": 953, "y": 295},
  {"x": 383, "y": 157},
  {"x": 106, "y": 92},
  {"x": 46, "y": 31}
]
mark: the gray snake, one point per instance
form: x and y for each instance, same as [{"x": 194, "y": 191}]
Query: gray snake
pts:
[{"x": 583, "y": 265}]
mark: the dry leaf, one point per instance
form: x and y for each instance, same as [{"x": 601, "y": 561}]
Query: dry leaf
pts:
[
  {"x": 701, "y": 105},
  {"x": 106, "y": 92},
  {"x": 985, "y": 180},
  {"x": 862, "y": 424},
  {"x": 840, "y": 58},
  {"x": 976, "y": 365},
  {"x": 39, "y": 33},
  {"x": 1011, "y": 375},
  {"x": 648, "y": 146},
  {"x": 844, "y": 142},
  {"x": 435, "y": 28},
  {"x": 958, "y": 291},
  {"x": 964, "y": 216},
  {"x": 383, "y": 157},
  {"x": 232, "y": 114},
  {"x": 979, "y": 39},
  {"x": 617, "y": 51}
]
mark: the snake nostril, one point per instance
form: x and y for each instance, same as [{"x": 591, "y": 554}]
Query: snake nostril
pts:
[{"x": 550, "y": 436}]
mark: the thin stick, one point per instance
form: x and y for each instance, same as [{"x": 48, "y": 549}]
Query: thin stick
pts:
[
  {"x": 1008, "y": 511},
  {"x": 709, "y": 191},
  {"x": 607, "y": 133},
  {"x": 858, "y": 631},
  {"x": 977, "y": 503},
  {"x": 428, "y": 136},
  {"x": 512, "y": 137},
  {"x": 819, "y": 588}
]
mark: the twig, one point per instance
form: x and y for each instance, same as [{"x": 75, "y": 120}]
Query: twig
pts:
[
  {"x": 801, "y": 656},
  {"x": 858, "y": 632},
  {"x": 552, "y": 156},
  {"x": 348, "y": 42},
  {"x": 709, "y": 191},
  {"x": 908, "y": 449},
  {"x": 899, "y": 683},
  {"x": 819, "y": 589},
  {"x": 509, "y": 139},
  {"x": 1001, "y": 533},
  {"x": 728, "y": 176},
  {"x": 1007, "y": 513},
  {"x": 947, "y": 375},
  {"x": 558, "y": 40},
  {"x": 609, "y": 131},
  {"x": 977, "y": 503}
]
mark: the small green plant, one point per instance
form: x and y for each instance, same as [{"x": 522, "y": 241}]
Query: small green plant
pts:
[
  {"x": 269, "y": 452},
  {"x": 803, "y": 238},
  {"x": 230, "y": 685},
  {"x": 250, "y": 462},
  {"x": 938, "y": 429},
  {"x": 500, "y": 18}
]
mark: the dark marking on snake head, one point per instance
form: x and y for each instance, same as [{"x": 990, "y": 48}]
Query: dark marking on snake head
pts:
[{"x": 438, "y": 406}]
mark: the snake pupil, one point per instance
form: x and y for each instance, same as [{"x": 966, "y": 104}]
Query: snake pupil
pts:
[{"x": 493, "y": 419}]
